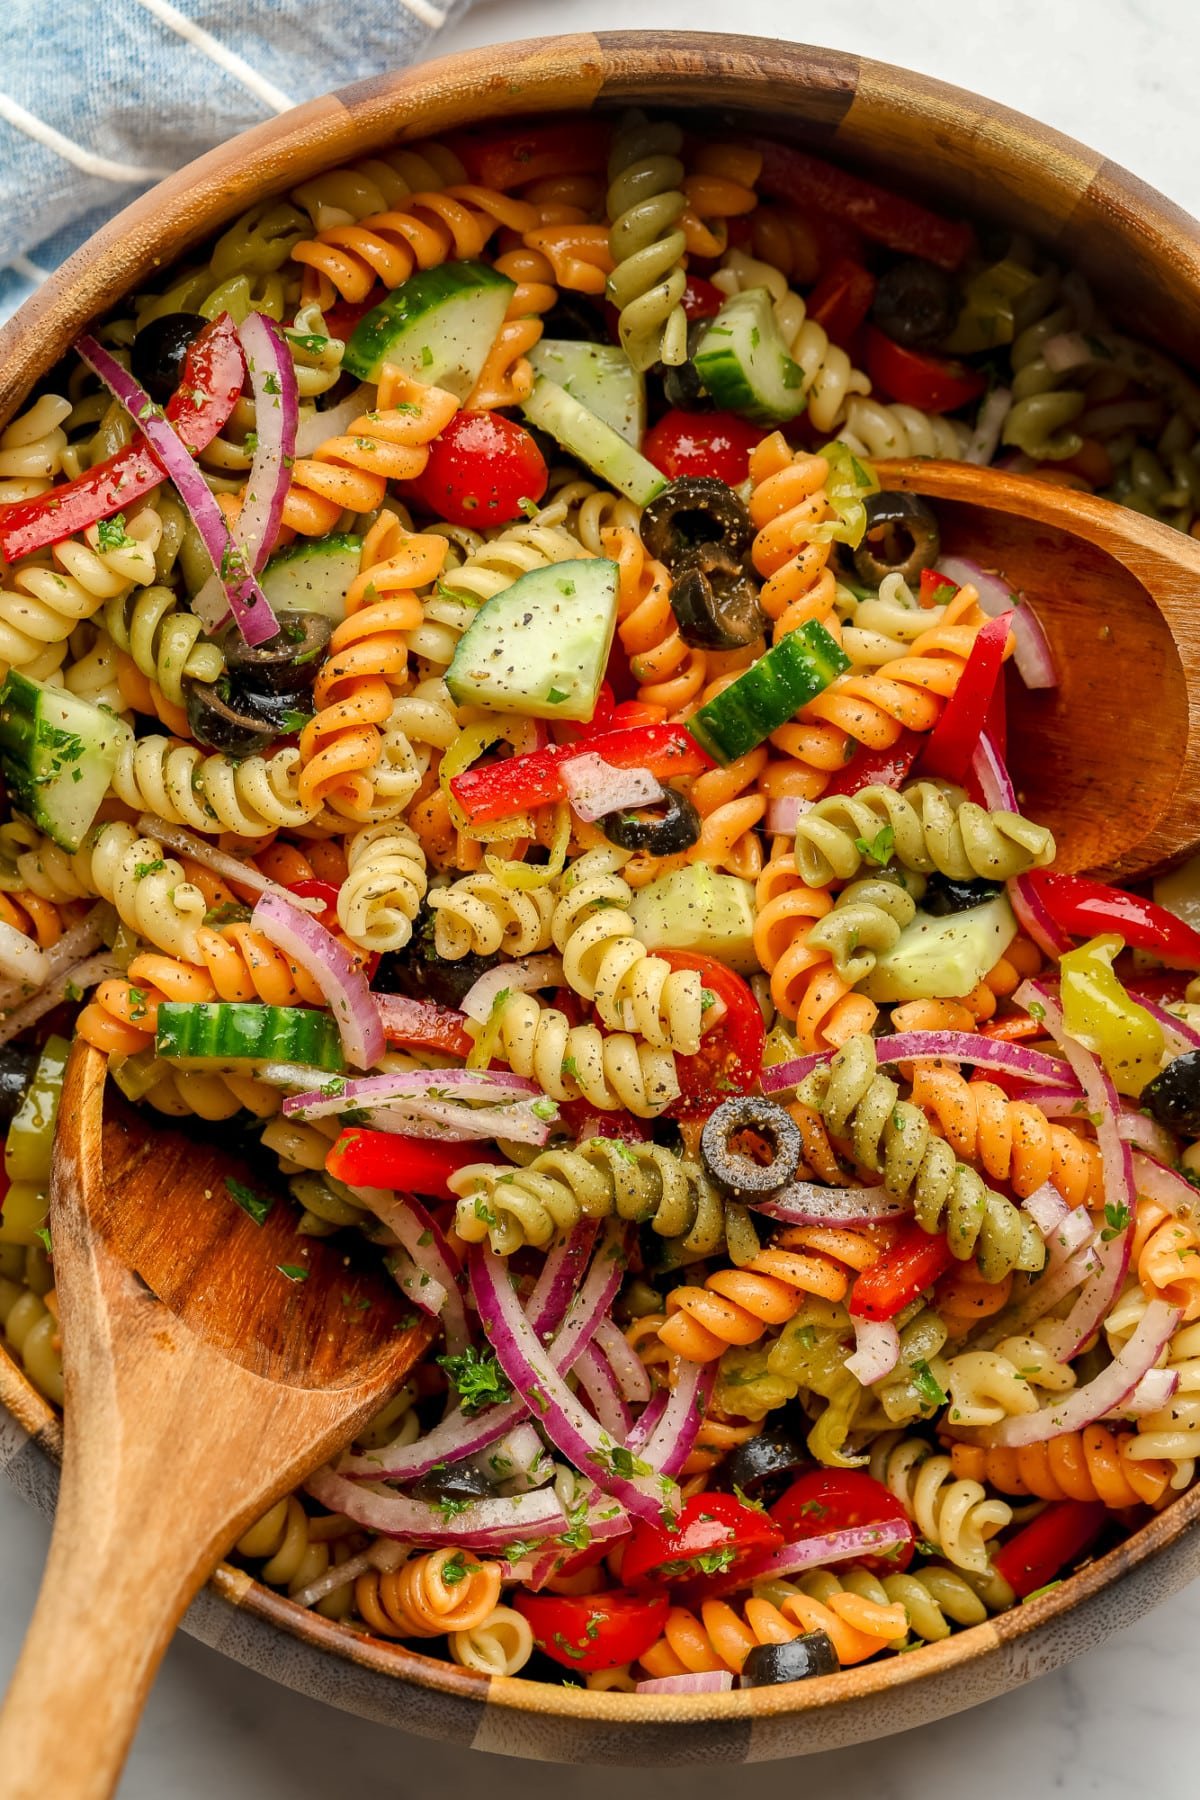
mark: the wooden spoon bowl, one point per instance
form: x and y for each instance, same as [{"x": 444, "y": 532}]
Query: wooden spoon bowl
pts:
[
  {"x": 958, "y": 151},
  {"x": 1110, "y": 758},
  {"x": 214, "y": 1362}
]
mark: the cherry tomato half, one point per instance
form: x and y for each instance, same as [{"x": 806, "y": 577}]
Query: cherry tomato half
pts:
[
  {"x": 828, "y": 1500},
  {"x": 729, "y": 1060},
  {"x": 594, "y": 1631},
  {"x": 580, "y": 1119},
  {"x": 701, "y": 300},
  {"x": 480, "y": 469},
  {"x": 716, "y": 443},
  {"x": 716, "y": 1533}
]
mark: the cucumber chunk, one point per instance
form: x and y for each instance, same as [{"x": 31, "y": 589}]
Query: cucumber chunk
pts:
[
  {"x": 211, "y": 1033},
  {"x": 943, "y": 958},
  {"x": 601, "y": 377},
  {"x": 587, "y": 436},
  {"x": 698, "y": 910},
  {"x": 437, "y": 326},
  {"x": 58, "y": 754},
  {"x": 769, "y": 693},
  {"x": 540, "y": 647},
  {"x": 313, "y": 575},
  {"x": 744, "y": 363}
]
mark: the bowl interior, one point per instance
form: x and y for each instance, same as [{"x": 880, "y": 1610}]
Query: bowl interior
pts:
[{"x": 965, "y": 154}]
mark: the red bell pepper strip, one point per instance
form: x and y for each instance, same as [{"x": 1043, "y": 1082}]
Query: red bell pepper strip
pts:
[
  {"x": 878, "y": 768},
  {"x": 913, "y": 1263},
  {"x": 842, "y": 299},
  {"x": 806, "y": 180},
  {"x": 325, "y": 892},
  {"x": 700, "y": 299},
  {"x": 937, "y": 384},
  {"x": 385, "y": 1159},
  {"x": 1055, "y": 1538},
  {"x": 1086, "y": 908},
  {"x": 951, "y": 744},
  {"x": 500, "y": 789},
  {"x": 423, "y": 1025},
  {"x": 212, "y": 379},
  {"x": 512, "y": 156}
]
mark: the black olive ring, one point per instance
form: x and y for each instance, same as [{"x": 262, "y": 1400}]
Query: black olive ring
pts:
[
  {"x": 905, "y": 518},
  {"x": 741, "y": 1176},
  {"x": 677, "y": 829}
]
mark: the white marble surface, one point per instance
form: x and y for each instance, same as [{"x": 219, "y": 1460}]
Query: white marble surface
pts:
[{"x": 1119, "y": 74}]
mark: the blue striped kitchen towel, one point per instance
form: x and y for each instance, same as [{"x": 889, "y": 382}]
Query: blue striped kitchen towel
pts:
[{"x": 101, "y": 98}]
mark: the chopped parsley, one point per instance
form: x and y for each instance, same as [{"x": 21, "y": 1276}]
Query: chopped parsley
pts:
[
  {"x": 43, "y": 1236},
  {"x": 879, "y": 849},
  {"x": 927, "y": 1385},
  {"x": 477, "y": 1377},
  {"x": 1116, "y": 1219},
  {"x": 256, "y": 1205},
  {"x": 112, "y": 535},
  {"x": 454, "y": 1569},
  {"x": 293, "y": 1271}
]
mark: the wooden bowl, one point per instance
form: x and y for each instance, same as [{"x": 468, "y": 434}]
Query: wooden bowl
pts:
[{"x": 972, "y": 156}]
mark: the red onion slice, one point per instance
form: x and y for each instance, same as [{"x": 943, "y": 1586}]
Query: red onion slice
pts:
[
  {"x": 460, "y": 1434},
  {"x": 784, "y": 812},
  {"x": 416, "y": 1285},
  {"x": 1120, "y": 1192},
  {"x": 921, "y": 1046},
  {"x": 1179, "y": 1035},
  {"x": 316, "y": 428},
  {"x": 985, "y": 438},
  {"x": 1107, "y": 1392},
  {"x": 276, "y": 411},
  {"x": 597, "y": 1382},
  {"x": 80, "y": 976},
  {"x": 1146, "y": 1134},
  {"x": 339, "y": 978},
  {"x": 247, "y": 602},
  {"x": 572, "y": 1430},
  {"x": 1046, "y": 1207},
  {"x": 398, "y": 1102},
  {"x": 1034, "y": 918},
  {"x": 595, "y": 788},
  {"x": 817, "y": 1553},
  {"x": 1067, "y": 350},
  {"x": 804, "y": 1203},
  {"x": 990, "y": 772},
  {"x": 876, "y": 1350},
  {"x": 484, "y": 1524},
  {"x": 1167, "y": 1186},
  {"x": 711, "y": 1681},
  {"x": 424, "y": 1241},
  {"x": 628, "y": 1367},
  {"x": 1154, "y": 1391},
  {"x": 522, "y": 977},
  {"x": 1035, "y": 664},
  {"x": 668, "y": 1444}
]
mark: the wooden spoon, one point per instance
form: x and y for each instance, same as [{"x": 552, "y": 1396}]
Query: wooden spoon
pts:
[
  {"x": 1110, "y": 759},
  {"x": 201, "y": 1385}
]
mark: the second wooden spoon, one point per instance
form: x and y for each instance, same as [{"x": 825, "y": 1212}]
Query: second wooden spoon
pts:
[{"x": 1110, "y": 759}]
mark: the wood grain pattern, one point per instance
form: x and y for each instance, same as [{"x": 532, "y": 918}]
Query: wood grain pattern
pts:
[
  {"x": 202, "y": 1384},
  {"x": 1110, "y": 759},
  {"x": 961, "y": 151}
]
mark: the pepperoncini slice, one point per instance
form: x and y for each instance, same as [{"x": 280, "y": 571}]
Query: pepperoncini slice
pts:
[{"x": 1106, "y": 1020}]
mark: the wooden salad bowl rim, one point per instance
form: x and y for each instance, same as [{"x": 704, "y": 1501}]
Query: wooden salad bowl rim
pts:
[{"x": 971, "y": 154}]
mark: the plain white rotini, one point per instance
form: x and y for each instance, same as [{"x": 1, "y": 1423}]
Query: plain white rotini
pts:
[
  {"x": 31, "y": 449},
  {"x": 164, "y": 640},
  {"x": 183, "y": 784},
  {"x": 502, "y": 1645},
  {"x": 479, "y": 915},
  {"x": 872, "y": 428},
  {"x": 569, "y": 1060},
  {"x": 149, "y": 890},
  {"x": 956, "y": 1515},
  {"x": 382, "y": 892},
  {"x": 41, "y": 605},
  {"x": 605, "y": 961},
  {"x": 986, "y": 1386},
  {"x": 487, "y": 567}
]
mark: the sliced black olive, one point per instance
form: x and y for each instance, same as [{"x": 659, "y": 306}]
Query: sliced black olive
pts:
[
  {"x": 736, "y": 1167},
  {"x": 287, "y": 663},
  {"x": 915, "y": 304},
  {"x": 810, "y": 1654},
  {"x": 664, "y": 833},
  {"x": 766, "y": 1464},
  {"x": 453, "y": 1481},
  {"x": 223, "y": 718},
  {"x": 901, "y": 538},
  {"x": 16, "y": 1069},
  {"x": 1173, "y": 1098},
  {"x": 696, "y": 509},
  {"x": 420, "y": 973},
  {"x": 681, "y": 385},
  {"x": 715, "y": 599},
  {"x": 943, "y": 896},
  {"x": 159, "y": 350},
  {"x": 574, "y": 319}
]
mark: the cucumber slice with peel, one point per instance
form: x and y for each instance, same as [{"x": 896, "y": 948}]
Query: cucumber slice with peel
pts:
[
  {"x": 437, "y": 326},
  {"x": 58, "y": 754},
  {"x": 540, "y": 647},
  {"x": 601, "y": 377},
  {"x": 745, "y": 365},
  {"x": 765, "y": 696},
  {"x": 598, "y": 447},
  {"x": 313, "y": 575},
  {"x": 210, "y": 1034}
]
